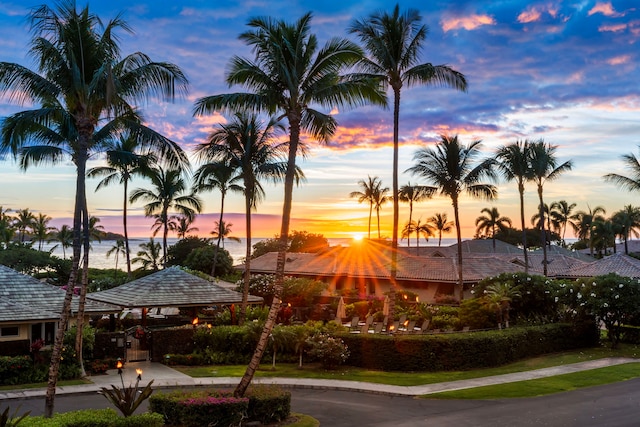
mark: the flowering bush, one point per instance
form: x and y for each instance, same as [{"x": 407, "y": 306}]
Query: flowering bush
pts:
[{"x": 329, "y": 351}]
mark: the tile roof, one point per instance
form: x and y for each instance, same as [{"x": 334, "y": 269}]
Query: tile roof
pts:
[
  {"x": 171, "y": 287},
  {"x": 23, "y": 297},
  {"x": 620, "y": 264}
]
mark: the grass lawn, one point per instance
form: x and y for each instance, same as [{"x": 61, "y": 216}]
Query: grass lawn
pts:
[
  {"x": 44, "y": 385},
  {"x": 543, "y": 386},
  {"x": 412, "y": 378}
]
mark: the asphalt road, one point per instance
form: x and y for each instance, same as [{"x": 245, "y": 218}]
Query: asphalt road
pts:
[{"x": 613, "y": 405}]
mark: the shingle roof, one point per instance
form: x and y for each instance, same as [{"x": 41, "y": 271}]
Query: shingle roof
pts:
[
  {"x": 620, "y": 264},
  {"x": 171, "y": 287},
  {"x": 23, "y": 297}
]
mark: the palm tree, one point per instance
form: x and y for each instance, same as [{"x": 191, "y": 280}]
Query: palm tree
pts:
[
  {"x": 440, "y": 223},
  {"x": 222, "y": 232},
  {"x": 544, "y": 168},
  {"x": 449, "y": 166},
  {"x": 246, "y": 145},
  {"x": 603, "y": 235},
  {"x": 499, "y": 296},
  {"x": 130, "y": 155},
  {"x": 393, "y": 43},
  {"x": 64, "y": 235},
  {"x": 379, "y": 198},
  {"x": 422, "y": 229},
  {"x": 537, "y": 221},
  {"x": 414, "y": 193},
  {"x": 40, "y": 229},
  {"x": 289, "y": 76},
  {"x": 168, "y": 193},
  {"x": 221, "y": 176},
  {"x": 82, "y": 81},
  {"x": 629, "y": 183},
  {"x": 561, "y": 213},
  {"x": 118, "y": 249},
  {"x": 7, "y": 230},
  {"x": 584, "y": 221},
  {"x": 369, "y": 187},
  {"x": 183, "y": 226},
  {"x": 513, "y": 163},
  {"x": 23, "y": 220},
  {"x": 149, "y": 255},
  {"x": 628, "y": 221},
  {"x": 491, "y": 223}
]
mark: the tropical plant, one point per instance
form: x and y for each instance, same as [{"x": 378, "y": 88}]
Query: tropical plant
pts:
[
  {"x": 11, "y": 420},
  {"x": 169, "y": 188},
  {"x": 583, "y": 223},
  {"x": 420, "y": 229},
  {"x": 379, "y": 198},
  {"x": 628, "y": 223},
  {"x": 490, "y": 224},
  {"x": 544, "y": 168},
  {"x": 40, "y": 229},
  {"x": 413, "y": 194},
  {"x": 22, "y": 221},
  {"x": 513, "y": 163},
  {"x": 82, "y": 81},
  {"x": 149, "y": 255},
  {"x": 499, "y": 296},
  {"x": 221, "y": 176},
  {"x": 628, "y": 183},
  {"x": 223, "y": 232},
  {"x": 440, "y": 223},
  {"x": 366, "y": 194},
  {"x": 603, "y": 235},
  {"x": 117, "y": 249},
  {"x": 246, "y": 145},
  {"x": 289, "y": 76},
  {"x": 64, "y": 235},
  {"x": 393, "y": 43},
  {"x": 127, "y": 399},
  {"x": 449, "y": 166},
  {"x": 183, "y": 226},
  {"x": 561, "y": 214}
]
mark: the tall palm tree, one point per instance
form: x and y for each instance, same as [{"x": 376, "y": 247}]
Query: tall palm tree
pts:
[
  {"x": 247, "y": 146},
  {"x": 149, "y": 255},
  {"x": 183, "y": 226},
  {"x": 449, "y": 166},
  {"x": 603, "y": 235},
  {"x": 561, "y": 213},
  {"x": 221, "y": 176},
  {"x": 222, "y": 232},
  {"x": 7, "y": 230},
  {"x": 413, "y": 194},
  {"x": 393, "y": 43},
  {"x": 537, "y": 221},
  {"x": 631, "y": 183},
  {"x": 22, "y": 221},
  {"x": 82, "y": 81},
  {"x": 423, "y": 229},
  {"x": 64, "y": 235},
  {"x": 379, "y": 198},
  {"x": 288, "y": 77},
  {"x": 368, "y": 188},
  {"x": 132, "y": 154},
  {"x": 40, "y": 229},
  {"x": 117, "y": 249},
  {"x": 544, "y": 167},
  {"x": 628, "y": 221},
  {"x": 513, "y": 163},
  {"x": 491, "y": 223},
  {"x": 168, "y": 193},
  {"x": 440, "y": 222},
  {"x": 584, "y": 221}
]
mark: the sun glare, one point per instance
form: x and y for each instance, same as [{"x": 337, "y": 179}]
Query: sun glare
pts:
[{"x": 357, "y": 237}]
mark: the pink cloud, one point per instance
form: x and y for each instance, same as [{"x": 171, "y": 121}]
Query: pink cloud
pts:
[
  {"x": 469, "y": 23},
  {"x": 531, "y": 15},
  {"x": 612, "y": 28},
  {"x": 606, "y": 9},
  {"x": 619, "y": 60}
]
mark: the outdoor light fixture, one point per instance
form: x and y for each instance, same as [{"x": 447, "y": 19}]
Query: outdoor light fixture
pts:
[{"x": 139, "y": 372}]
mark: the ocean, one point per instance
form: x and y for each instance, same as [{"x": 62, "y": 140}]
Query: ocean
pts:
[{"x": 98, "y": 257}]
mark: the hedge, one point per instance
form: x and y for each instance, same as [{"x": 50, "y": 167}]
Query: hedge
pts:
[
  {"x": 461, "y": 351},
  {"x": 94, "y": 418},
  {"x": 630, "y": 334}
]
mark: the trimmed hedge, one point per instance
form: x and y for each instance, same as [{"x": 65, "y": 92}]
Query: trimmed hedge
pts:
[
  {"x": 266, "y": 404},
  {"x": 94, "y": 418},
  {"x": 630, "y": 334},
  {"x": 446, "y": 352}
]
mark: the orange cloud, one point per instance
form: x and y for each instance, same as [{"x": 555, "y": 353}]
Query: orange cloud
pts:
[
  {"x": 612, "y": 27},
  {"x": 469, "y": 23},
  {"x": 606, "y": 9},
  {"x": 531, "y": 15},
  {"x": 619, "y": 60}
]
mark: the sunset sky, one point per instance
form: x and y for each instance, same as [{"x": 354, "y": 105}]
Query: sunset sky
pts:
[{"x": 564, "y": 71}]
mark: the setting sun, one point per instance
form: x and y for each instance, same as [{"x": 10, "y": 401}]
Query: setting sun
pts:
[{"x": 357, "y": 237}]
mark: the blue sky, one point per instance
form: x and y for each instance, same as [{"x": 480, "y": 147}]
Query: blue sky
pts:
[{"x": 565, "y": 71}]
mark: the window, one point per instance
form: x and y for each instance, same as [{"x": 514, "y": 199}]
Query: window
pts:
[{"x": 9, "y": 331}]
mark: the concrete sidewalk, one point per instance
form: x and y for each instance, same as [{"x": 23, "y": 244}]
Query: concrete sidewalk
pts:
[{"x": 166, "y": 377}]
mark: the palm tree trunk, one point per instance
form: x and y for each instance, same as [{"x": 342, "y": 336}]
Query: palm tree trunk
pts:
[
  {"x": 65, "y": 313},
  {"x": 83, "y": 287},
  {"x": 410, "y": 219},
  {"x": 394, "y": 236},
  {"x": 460, "y": 290},
  {"x": 247, "y": 261},
  {"x": 126, "y": 232},
  {"x": 165, "y": 234},
  {"x": 215, "y": 250},
  {"x": 524, "y": 230},
  {"x": 378, "y": 217},
  {"x": 294, "y": 124},
  {"x": 370, "y": 216},
  {"x": 543, "y": 237}
]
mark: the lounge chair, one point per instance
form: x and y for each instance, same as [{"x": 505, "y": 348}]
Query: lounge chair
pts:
[
  {"x": 354, "y": 322},
  {"x": 369, "y": 320},
  {"x": 424, "y": 327},
  {"x": 364, "y": 329},
  {"x": 403, "y": 318},
  {"x": 378, "y": 328},
  {"x": 394, "y": 328},
  {"x": 410, "y": 326}
]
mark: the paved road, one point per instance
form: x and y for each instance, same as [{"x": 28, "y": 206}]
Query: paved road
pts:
[{"x": 613, "y": 405}]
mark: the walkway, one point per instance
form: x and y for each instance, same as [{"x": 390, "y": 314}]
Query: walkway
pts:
[{"x": 166, "y": 377}]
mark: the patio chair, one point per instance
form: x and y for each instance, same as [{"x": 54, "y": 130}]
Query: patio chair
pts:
[
  {"x": 354, "y": 322},
  {"x": 410, "y": 327},
  {"x": 403, "y": 318},
  {"x": 364, "y": 329},
  {"x": 369, "y": 320},
  {"x": 378, "y": 328},
  {"x": 394, "y": 328},
  {"x": 424, "y": 327}
]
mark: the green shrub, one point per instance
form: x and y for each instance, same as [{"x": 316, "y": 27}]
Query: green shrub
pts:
[
  {"x": 15, "y": 370},
  {"x": 268, "y": 404},
  {"x": 94, "y": 418},
  {"x": 331, "y": 352},
  {"x": 212, "y": 410}
]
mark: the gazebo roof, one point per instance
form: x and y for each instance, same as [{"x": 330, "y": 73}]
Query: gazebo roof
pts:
[
  {"x": 24, "y": 298},
  {"x": 171, "y": 287}
]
